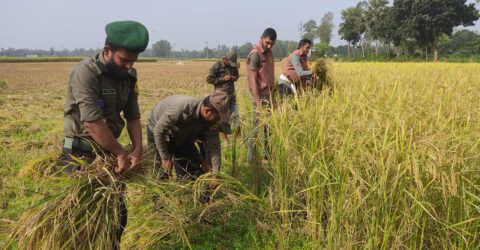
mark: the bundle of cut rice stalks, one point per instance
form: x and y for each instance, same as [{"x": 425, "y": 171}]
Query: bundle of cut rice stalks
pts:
[
  {"x": 86, "y": 211},
  {"x": 84, "y": 214},
  {"x": 168, "y": 213},
  {"x": 322, "y": 78}
]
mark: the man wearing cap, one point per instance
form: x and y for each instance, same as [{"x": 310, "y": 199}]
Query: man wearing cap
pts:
[
  {"x": 223, "y": 75},
  {"x": 261, "y": 83},
  {"x": 174, "y": 125},
  {"x": 99, "y": 89}
]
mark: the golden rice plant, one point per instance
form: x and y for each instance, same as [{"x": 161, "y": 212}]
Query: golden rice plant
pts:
[{"x": 83, "y": 214}]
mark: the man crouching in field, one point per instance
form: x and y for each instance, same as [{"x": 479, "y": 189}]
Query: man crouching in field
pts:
[
  {"x": 100, "y": 87},
  {"x": 295, "y": 70},
  {"x": 177, "y": 122}
]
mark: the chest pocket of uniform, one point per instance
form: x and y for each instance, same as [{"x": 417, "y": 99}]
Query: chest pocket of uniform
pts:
[{"x": 109, "y": 99}]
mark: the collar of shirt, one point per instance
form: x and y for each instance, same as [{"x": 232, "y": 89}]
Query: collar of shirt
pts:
[
  {"x": 196, "y": 113},
  {"x": 102, "y": 64},
  {"x": 260, "y": 48}
]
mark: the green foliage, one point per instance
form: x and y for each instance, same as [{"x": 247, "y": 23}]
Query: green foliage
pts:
[
  {"x": 243, "y": 50},
  {"x": 463, "y": 43},
  {"x": 406, "y": 22},
  {"x": 162, "y": 48},
  {"x": 309, "y": 30},
  {"x": 283, "y": 48},
  {"x": 321, "y": 49},
  {"x": 324, "y": 30},
  {"x": 354, "y": 24},
  {"x": 426, "y": 21},
  {"x": 3, "y": 85}
]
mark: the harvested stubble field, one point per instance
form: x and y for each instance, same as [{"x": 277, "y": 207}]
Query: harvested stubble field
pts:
[{"x": 390, "y": 160}]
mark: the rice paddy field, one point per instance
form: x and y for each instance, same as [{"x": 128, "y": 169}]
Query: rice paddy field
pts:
[{"x": 390, "y": 159}]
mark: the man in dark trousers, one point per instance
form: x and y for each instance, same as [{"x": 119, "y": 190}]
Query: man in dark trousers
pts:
[
  {"x": 223, "y": 75},
  {"x": 177, "y": 122},
  {"x": 261, "y": 83},
  {"x": 99, "y": 90}
]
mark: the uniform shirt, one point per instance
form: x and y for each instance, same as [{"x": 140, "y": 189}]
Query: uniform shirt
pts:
[
  {"x": 95, "y": 93},
  {"x": 176, "y": 119},
  {"x": 218, "y": 71}
]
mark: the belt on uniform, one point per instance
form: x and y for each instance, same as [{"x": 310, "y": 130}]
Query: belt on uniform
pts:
[{"x": 77, "y": 143}]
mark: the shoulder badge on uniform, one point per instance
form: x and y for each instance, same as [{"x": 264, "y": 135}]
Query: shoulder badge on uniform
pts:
[
  {"x": 214, "y": 127},
  {"x": 135, "y": 88},
  {"x": 132, "y": 72},
  {"x": 270, "y": 59}
]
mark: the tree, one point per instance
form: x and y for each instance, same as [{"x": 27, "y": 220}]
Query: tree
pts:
[
  {"x": 462, "y": 43},
  {"x": 353, "y": 26},
  {"x": 386, "y": 28},
  {"x": 309, "y": 29},
  {"x": 324, "y": 30},
  {"x": 428, "y": 20},
  {"x": 244, "y": 50},
  {"x": 162, "y": 48},
  {"x": 321, "y": 49},
  {"x": 375, "y": 13}
]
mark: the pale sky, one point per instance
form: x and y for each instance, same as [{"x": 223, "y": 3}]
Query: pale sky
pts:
[{"x": 188, "y": 24}]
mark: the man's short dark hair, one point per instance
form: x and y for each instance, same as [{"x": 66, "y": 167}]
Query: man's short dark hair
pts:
[
  {"x": 270, "y": 33},
  {"x": 206, "y": 102},
  {"x": 303, "y": 42},
  {"x": 114, "y": 47}
]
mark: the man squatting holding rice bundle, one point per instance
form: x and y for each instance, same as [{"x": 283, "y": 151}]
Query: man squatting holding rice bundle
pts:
[
  {"x": 177, "y": 123},
  {"x": 295, "y": 72}
]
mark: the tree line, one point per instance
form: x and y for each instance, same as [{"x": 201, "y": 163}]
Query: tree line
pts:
[
  {"x": 163, "y": 49},
  {"x": 412, "y": 28},
  {"x": 408, "y": 26},
  {"x": 160, "y": 49}
]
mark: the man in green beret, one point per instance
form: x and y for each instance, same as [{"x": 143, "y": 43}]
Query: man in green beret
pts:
[{"x": 100, "y": 88}]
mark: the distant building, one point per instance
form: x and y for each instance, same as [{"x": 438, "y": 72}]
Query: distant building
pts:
[{"x": 31, "y": 56}]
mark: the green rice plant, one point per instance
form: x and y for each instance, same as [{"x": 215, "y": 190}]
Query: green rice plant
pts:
[
  {"x": 42, "y": 168},
  {"x": 3, "y": 85}
]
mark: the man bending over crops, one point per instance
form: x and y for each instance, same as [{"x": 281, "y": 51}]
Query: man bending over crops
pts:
[
  {"x": 295, "y": 71},
  {"x": 177, "y": 122},
  {"x": 261, "y": 80},
  {"x": 99, "y": 89},
  {"x": 223, "y": 75}
]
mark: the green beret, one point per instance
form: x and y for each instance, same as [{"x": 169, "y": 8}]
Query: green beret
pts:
[{"x": 129, "y": 35}]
